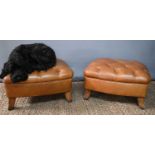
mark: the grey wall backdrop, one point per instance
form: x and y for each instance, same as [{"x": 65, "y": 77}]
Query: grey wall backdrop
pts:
[{"x": 79, "y": 53}]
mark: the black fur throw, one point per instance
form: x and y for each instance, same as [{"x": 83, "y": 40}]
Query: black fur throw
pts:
[{"x": 25, "y": 59}]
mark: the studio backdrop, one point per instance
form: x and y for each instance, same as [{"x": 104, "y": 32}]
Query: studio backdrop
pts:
[{"x": 79, "y": 53}]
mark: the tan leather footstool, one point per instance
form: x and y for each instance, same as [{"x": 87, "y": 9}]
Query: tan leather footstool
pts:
[
  {"x": 56, "y": 80},
  {"x": 118, "y": 77}
]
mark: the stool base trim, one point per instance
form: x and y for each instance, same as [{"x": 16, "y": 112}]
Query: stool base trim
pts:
[
  {"x": 38, "y": 89},
  {"x": 116, "y": 88}
]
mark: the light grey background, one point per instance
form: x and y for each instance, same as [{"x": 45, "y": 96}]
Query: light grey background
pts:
[{"x": 79, "y": 53}]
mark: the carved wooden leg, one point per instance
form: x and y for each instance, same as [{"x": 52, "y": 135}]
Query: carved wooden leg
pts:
[
  {"x": 68, "y": 96},
  {"x": 11, "y": 103},
  {"x": 87, "y": 94},
  {"x": 141, "y": 102}
]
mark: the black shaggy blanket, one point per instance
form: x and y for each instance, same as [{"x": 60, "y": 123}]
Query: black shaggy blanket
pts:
[{"x": 25, "y": 59}]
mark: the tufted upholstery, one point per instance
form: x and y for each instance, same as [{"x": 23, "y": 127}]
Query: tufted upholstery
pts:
[
  {"x": 118, "y": 77},
  {"x": 60, "y": 72},
  {"x": 118, "y": 70},
  {"x": 56, "y": 80}
]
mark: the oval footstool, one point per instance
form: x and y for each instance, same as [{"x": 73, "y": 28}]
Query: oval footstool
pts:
[
  {"x": 118, "y": 77},
  {"x": 53, "y": 81}
]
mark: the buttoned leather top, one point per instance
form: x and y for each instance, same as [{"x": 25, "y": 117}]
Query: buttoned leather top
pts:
[
  {"x": 59, "y": 72},
  {"x": 118, "y": 70}
]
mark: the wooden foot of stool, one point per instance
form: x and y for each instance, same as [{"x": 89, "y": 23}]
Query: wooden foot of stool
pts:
[
  {"x": 68, "y": 96},
  {"x": 11, "y": 103},
  {"x": 87, "y": 94},
  {"x": 141, "y": 102}
]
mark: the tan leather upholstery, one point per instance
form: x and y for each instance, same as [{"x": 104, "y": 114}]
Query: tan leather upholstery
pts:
[
  {"x": 118, "y": 70},
  {"x": 118, "y": 77},
  {"x": 38, "y": 89},
  {"x": 116, "y": 88},
  {"x": 56, "y": 80},
  {"x": 60, "y": 72}
]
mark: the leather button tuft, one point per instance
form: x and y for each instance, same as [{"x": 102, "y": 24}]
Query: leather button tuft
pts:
[
  {"x": 59, "y": 72},
  {"x": 118, "y": 70}
]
